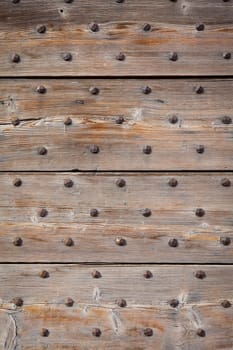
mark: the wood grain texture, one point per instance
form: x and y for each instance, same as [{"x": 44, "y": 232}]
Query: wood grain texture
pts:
[
  {"x": 95, "y": 306},
  {"x": 173, "y": 29},
  {"x": 39, "y": 120},
  {"x": 120, "y": 214}
]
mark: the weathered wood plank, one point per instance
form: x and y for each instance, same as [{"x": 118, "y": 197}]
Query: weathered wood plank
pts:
[
  {"x": 39, "y": 122},
  {"x": 95, "y": 305},
  {"x": 120, "y": 30},
  {"x": 120, "y": 214}
]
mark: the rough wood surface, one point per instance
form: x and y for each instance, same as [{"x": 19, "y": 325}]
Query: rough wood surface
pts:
[
  {"x": 120, "y": 214},
  {"x": 38, "y": 121},
  {"x": 95, "y": 305},
  {"x": 120, "y": 30}
]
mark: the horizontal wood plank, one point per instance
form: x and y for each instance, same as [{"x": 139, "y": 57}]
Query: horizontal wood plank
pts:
[
  {"x": 118, "y": 30},
  {"x": 92, "y": 214},
  {"x": 94, "y": 305},
  {"x": 120, "y": 120}
]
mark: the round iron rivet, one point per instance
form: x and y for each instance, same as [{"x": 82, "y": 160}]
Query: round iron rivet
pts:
[
  {"x": 146, "y": 90},
  {"x": 147, "y": 27},
  {"x": 226, "y": 55},
  {"x": 173, "y": 242},
  {"x": 94, "y": 27},
  {"x": 96, "y": 274},
  {"x": 226, "y": 182},
  {"x": 147, "y": 149},
  {"x": 44, "y": 332},
  {"x": 200, "y": 274},
  {"x": 42, "y": 151},
  {"x": 96, "y": 332},
  {"x": 68, "y": 121},
  {"x": 148, "y": 332},
  {"x": 173, "y": 119},
  {"x": 43, "y": 213},
  {"x": 146, "y": 212},
  {"x": 69, "y": 302},
  {"x": 172, "y": 182},
  {"x": 200, "y": 27},
  {"x": 41, "y": 29},
  {"x": 226, "y": 120},
  {"x": 225, "y": 241},
  {"x": 68, "y": 183},
  {"x": 17, "y": 182},
  {"x": 199, "y": 90},
  {"x": 94, "y": 213},
  {"x": 201, "y": 332},
  {"x": 121, "y": 302},
  {"x": 120, "y": 120},
  {"x": 67, "y": 56},
  {"x": 15, "y": 58},
  {"x": 226, "y": 304},
  {"x": 41, "y": 89},
  {"x": 200, "y": 212},
  {"x": 94, "y": 149},
  {"x": 120, "y": 183},
  {"x": 15, "y": 121},
  {"x": 18, "y": 242},
  {"x": 200, "y": 149},
  {"x": 44, "y": 274},
  {"x": 173, "y": 56},
  {"x": 121, "y": 241},
  {"x": 68, "y": 242},
  {"x": 18, "y": 301},
  {"x": 94, "y": 90},
  {"x": 148, "y": 274},
  {"x": 120, "y": 56},
  {"x": 174, "y": 303}
]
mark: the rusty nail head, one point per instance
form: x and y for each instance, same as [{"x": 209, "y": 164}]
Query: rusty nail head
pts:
[
  {"x": 148, "y": 332},
  {"x": 200, "y": 149},
  {"x": 94, "y": 149},
  {"x": 94, "y": 90},
  {"x": 226, "y": 55},
  {"x": 94, "y": 213},
  {"x": 68, "y": 183},
  {"x": 200, "y": 212},
  {"x": 148, "y": 274},
  {"x": 146, "y": 212},
  {"x": 120, "y": 120},
  {"x": 68, "y": 121},
  {"x": 173, "y": 56},
  {"x": 120, "y": 56},
  {"x": 120, "y": 182},
  {"x": 147, "y": 149},
  {"x": 226, "y": 120},
  {"x": 67, "y": 56},
  {"x": 173, "y": 242},
  {"x": 18, "y": 242},
  {"x": 94, "y": 27},
  {"x": 226, "y": 182},
  {"x": 44, "y": 274},
  {"x": 15, "y": 58},
  {"x": 96, "y": 274},
  {"x": 200, "y": 27},
  {"x": 146, "y": 90},
  {"x": 173, "y": 119},
  {"x": 120, "y": 241},
  {"x": 147, "y": 27},
  {"x": 200, "y": 274},
  {"x": 199, "y": 90},
  {"x": 173, "y": 182},
  {"x": 69, "y": 242},
  {"x": 41, "y": 89},
  {"x": 17, "y": 182},
  {"x": 225, "y": 241},
  {"x": 121, "y": 302},
  {"x": 18, "y": 301},
  {"x": 41, "y": 29},
  {"x": 226, "y": 304},
  {"x": 44, "y": 332},
  {"x": 69, "y": 302},
  {"x": 43, "y": 212},
  {"x": 42, "y": 151},
  {"x": 201, "y": 332},
  {"x": 174, "y": 302},
  {"x": 96, "y": 332},
  {"x": 15, "y": 121}
]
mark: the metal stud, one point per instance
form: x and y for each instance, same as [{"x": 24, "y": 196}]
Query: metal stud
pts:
[
  {"x": 18, "y": 242},
  {"x": 68, "y": 242},
  {"x": 67, "y": 56},
  {"x": 120, "y": 183},
  {"x": 94, "y": 213},
  {"x": 226, "y": 304},
  {"x": 173, "y": 119},
  {"x": 96, "y": 274},
  {"x": 15, "y": 58},
  {"x": 173, "y": 242},
  {"x": 94, "y": 27},
  {"x": 173, "y": 56},
  {"x": 68, "y": 183},
  {"x": 121, "y": 302},
  {"x": 146, "y": 212},
  {"x": 147, "y": 149},
  {"x": 148, "y": 274},
  {"x": 146, "y": 90},
  {"x": 43, "y": 213},
  {"x": 41, "y": 29},
  {"x": 199, "y": 90},
  {"x": 174, "y": 303},
  {"x": 226, "y": 120},
  {"x": 15, "y": 121},
  {"x": 44, "y": 274},
  {"x": 225, "y": 182},
  {"x": 94, "y": 149},
  {"x": 200, "y": 27},
  {"x": 94, "y": 90},
  {"x": 18, "y": 301},
  {"x": 41, "y": 89},
  {"x": 96, "y": 332},
  {"x": 42, "y": 151},
  {"x": 120, "y": 56},
  {"x": 172, "y": 182},
  {"x": 147, "y": 27},
  {"x": 201, "y": 332},
  {"x": 148, "y": 332},
  {"x": 225, "y": 241},
  {"x": 226, "y": 55},
  {"x": 68, "y": 121},
  {"x": 17, "y": 182},
  {"x": 44, "y": 332},
  {"x": 120, "y": 120},
  {"x": 200, "y": 149},
  {"x": 200, "y": 212},
  {"x": 121, "y": 241},
  {"x": 69, "y": 302},
  {"x": 200, "y": 274}
]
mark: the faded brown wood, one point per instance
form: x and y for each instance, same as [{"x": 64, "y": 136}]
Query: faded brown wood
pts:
[
  {"x": 120, "y": 214},
  {"x": 95, "y": 306},
  {"x": 173, "y": 29},
  {"x": 39, "y": 120}
]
